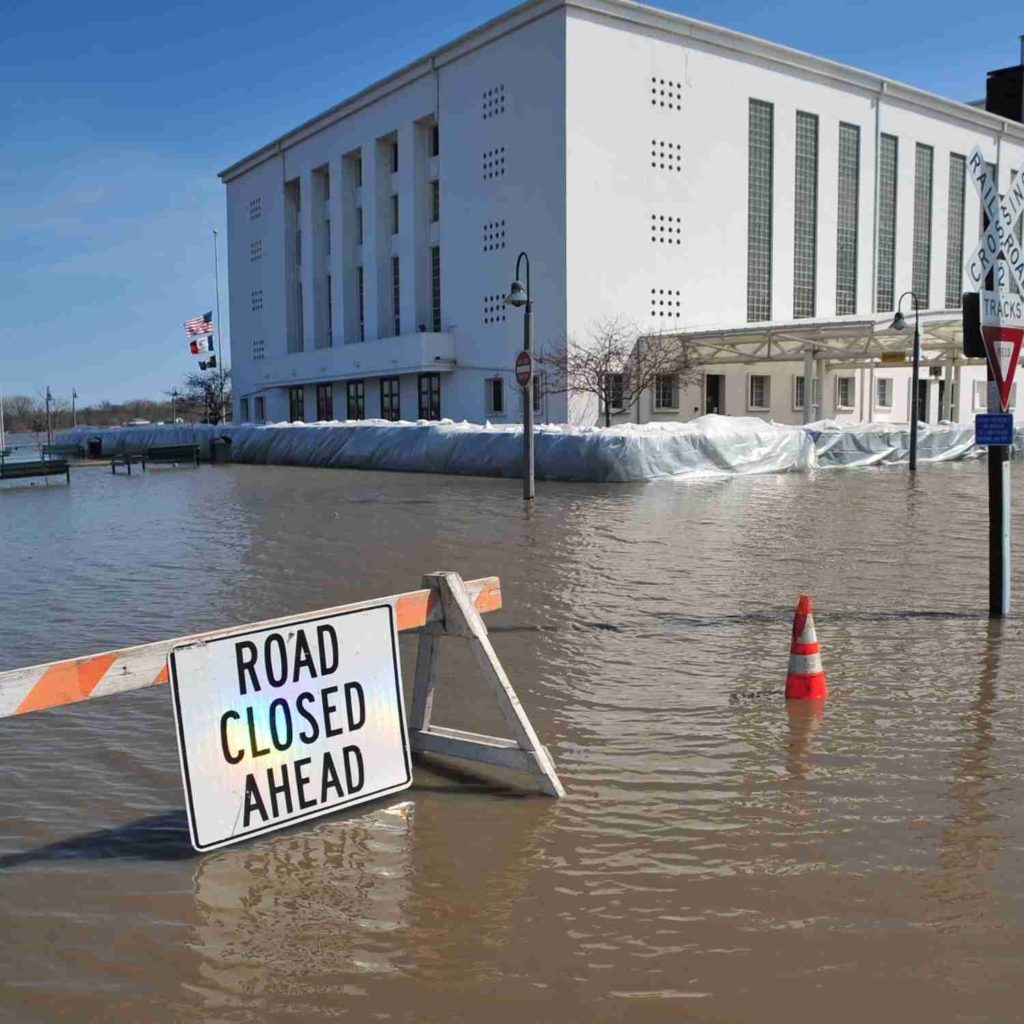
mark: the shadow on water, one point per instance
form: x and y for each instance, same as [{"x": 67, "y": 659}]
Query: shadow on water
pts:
[{"x": 158, "y": 837}]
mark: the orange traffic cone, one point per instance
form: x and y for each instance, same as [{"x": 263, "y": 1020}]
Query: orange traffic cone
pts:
[{"x": 805, "y": 679}]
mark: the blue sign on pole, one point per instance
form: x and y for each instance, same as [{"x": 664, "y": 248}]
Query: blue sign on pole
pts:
[{"x": 993, "y": 428}]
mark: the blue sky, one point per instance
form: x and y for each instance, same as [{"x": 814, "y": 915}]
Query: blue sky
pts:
[{"x": 115, "y": 118}]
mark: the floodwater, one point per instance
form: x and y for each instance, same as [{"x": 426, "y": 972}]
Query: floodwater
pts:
[{"x": 719, "y": 856}]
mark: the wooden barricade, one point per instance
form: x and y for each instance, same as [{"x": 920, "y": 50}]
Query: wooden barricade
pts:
[{"x": 447, "y": 606}]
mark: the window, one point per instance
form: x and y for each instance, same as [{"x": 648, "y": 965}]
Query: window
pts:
[
  {"x": 325, "y": 402},
  {"x": 243, "y": 410},
  {"x": 358, "y": 162},
  {"x": 355, "y": 396},
  {"x": 430, "y": 396},
  {"x": 494, "y": 235},
  {"x": 435, "y": 201},
  {"x": 435, "y": 139},
  {"x": 390, "y": 402},
  {"x": 758, "y": 393},
  {"x": 396, "y": 297},
  {"x": 805, "y": 221},
  {"x": 435, "y": 287},
  {"x": 883, "y": 392},
  {"x": 361, "y": 296},
  {"x": 394, "y": 157},
  {"x": 666, "y": 391},
  {"x": 799, "y": 386},
  {"x": 494, "y": 395},
  {"x": 300, "y": 324},
  {"x": 613, "y": 387},
  {"x": 298, "y": 247},
  {"x": 255, "y": 208},
  {"x": 394, "y": 215},
  {"x": 845, "y": 390},
  {"x": 759, "y": 211},
  {"x": 359, "y": 225},
  {"x": 261, "y": 411},
  {"x": 296, "y": 404},
  {"x": 847, "y": 216},
  {"x": 888, "y": 158},
  {"x": 955, "y": 232},
  {"x": 330, "y": 315},
  {"x": 922, "y": 255},
  {"x": 327, "y": 237},
  {"x": 494, "y": 163},
  {"x": 538, "y": 392}
]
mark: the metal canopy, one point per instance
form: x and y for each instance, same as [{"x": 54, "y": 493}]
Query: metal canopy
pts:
[{"x": 837, "y": 340}]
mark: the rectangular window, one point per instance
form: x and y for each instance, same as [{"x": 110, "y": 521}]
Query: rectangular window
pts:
[
  {"x": 324, "y": 402},
  {"x": 394, "y": 157},
  {"x": 261, "y": 409},
  {"x": 759, "y": 392},
  {"x": 494, "y": 395},
  {"x": 613, "y": 390},
  {"x": 883, "y": 392},
  {"x": 361, "y": 297},
  {"x": 355, "y": 400},
  {"x": 298, "y": 247},
  {"x": 759, "y": 211},
  {"x": 666, "y": 391},
  {"x": 805, "y": 221},
  {"x": 955, "y": 231},
  {"x": 845, "y": 390},
  {"x": 922, "y": 258},
  {"x": 798, "y": 391},
  {"x": 243, "y": 410},
  {"x": 359, "y": 171},
  {"x": 330, "y": 313},
  {"x": 885, "y": 280},
  {"x": 390, "y": 402},
  {"x": 435, "y": 288},
  {"x": 359, "y": 225},
  {"x": 847, "y": 218},
  {"x": 300, "y": 323},
  {"x": 538, "y": 392},
  {"x": 327, "y": 237},
  {"x": 396, "y": 297},
  {"x": 435, "y": 201},
  {"x": 394, "y": 214},
  {"x": 430, "y": 396},
  {"x": 435, "y": 139},
  {"x": 296, "y": 404}
]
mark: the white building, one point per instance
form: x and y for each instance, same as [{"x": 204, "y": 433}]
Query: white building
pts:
[{"x": 684, "y": 176}]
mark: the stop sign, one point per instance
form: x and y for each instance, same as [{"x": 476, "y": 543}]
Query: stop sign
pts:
[{"x": 524, "y": 368}]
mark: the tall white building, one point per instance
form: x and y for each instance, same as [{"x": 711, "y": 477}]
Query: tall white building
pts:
[{"x": 685, "y": 177}]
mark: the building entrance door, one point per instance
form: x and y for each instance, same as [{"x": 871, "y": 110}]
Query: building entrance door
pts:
[
  {"x": 714, "y": 393},
  {"x": 923, "y": 392}
]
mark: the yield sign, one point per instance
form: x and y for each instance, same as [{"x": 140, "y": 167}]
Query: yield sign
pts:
[{"x": 1003, "y": 347}]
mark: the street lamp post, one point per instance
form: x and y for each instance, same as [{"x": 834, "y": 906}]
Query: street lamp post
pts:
[
  {"x": 519, "y": 296},
  {"x": 898, "y": 324},
  {"x": 49, "y": 399},
  {"x": 74, "y": 412}
]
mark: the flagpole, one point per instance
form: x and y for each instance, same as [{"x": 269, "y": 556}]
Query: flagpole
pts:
[{"x": 220, "y": 357}]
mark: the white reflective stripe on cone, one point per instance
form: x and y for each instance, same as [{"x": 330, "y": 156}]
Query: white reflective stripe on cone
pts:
[
  {"x": 808, "y": 636},
  {"x": 805, "y": 664}
]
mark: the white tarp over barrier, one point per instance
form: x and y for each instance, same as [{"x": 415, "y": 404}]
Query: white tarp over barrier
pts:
[{"x": 709, "y": 446}]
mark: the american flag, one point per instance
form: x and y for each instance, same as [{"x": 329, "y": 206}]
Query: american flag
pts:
[{"x": 199, "y": 325}]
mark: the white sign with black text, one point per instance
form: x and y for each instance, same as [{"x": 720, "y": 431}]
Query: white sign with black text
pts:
[{"x": 287, "y": 723}]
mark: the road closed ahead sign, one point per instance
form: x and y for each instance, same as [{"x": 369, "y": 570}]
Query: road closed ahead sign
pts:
[{"x": 285, "y": 724}]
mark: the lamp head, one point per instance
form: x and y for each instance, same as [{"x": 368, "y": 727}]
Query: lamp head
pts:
[
  {"x": 517, "y": 295},
  {"x": 898, "y": 322}
]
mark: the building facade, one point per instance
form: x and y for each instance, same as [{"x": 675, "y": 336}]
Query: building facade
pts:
[{"x": 684, "y": 177}]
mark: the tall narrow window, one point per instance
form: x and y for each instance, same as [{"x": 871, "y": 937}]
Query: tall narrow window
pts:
[
  {"x": 394, "y": 157},
  {"x": 435, "y": 288},
  {"x": 394, "y": 214},
  {"x": 261, "y": 409},
  {"x": 243, "y": 410},
  {"x": 359, "y": 225},
  {"x": 435, "y": 139},
  {"x": 955, "y": 231},
  {"x": 924, "y": 160},
  {"x": 435, "y": 201},
  {"x": 430, "y": 396},
  {"x": 390, "y": 403},
  {"x": 396, "y": 297},
  {"x": 296, "y": 403},
  {"x": 759, "y": 211},
  {"x": 885, "y": 277},
  {"x": 359, "y": 171},
  {"x": 847, "y": 216},
  {"x": 300, "y": 325},
  {"x": 355, "y": 395},
  {"x": 327, "y": 237},
  {"x": 361, "y": 289},
  {"x": 805, "y": 224},
  {"x": 324, "y": 402},
  {"x": 494, "y": 394},
  {"x": 330, "y": 315}
]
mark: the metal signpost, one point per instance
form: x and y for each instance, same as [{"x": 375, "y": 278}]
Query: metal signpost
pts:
[
  {"x": 520, "y": 296},
  {"x": 283, "y": 724}
]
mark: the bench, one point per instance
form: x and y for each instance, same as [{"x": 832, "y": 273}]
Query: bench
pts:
[
  {"x": 73, "y": 451},
  {"x": 41, "y": 467},
  {"x": 126, "y": 459},
  {"x": 173, "y": 453}
]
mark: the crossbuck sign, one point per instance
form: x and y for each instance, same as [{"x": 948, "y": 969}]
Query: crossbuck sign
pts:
[{"x": 1004, "y": 212}]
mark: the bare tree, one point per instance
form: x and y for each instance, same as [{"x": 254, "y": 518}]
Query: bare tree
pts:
[
  {"x": 207, "y": 395},
  {"x": 616, "y": 364}
]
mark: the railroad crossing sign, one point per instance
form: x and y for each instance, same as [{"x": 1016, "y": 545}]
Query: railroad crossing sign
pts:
[
  {"x": 1002, "y": 328},
  {"x": 524, "y": 369},
  {"x": 1003, "y": 212}
]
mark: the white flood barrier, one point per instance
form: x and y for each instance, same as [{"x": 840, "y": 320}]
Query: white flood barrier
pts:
[{"x": 711, "y": 446}]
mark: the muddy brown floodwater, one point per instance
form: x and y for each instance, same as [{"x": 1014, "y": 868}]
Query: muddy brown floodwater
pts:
[{"x": 719, "y": 856}]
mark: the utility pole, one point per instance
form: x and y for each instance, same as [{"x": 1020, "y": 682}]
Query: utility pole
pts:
[
  {"x": 49, "y": 399},
  {"x": 74, "y": 412},
  {"x": 520, "y": 296},
  {"x": 220, "y": 355}
]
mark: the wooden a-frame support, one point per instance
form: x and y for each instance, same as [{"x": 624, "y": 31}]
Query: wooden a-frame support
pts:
[{"x": 524, "y": 752}]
